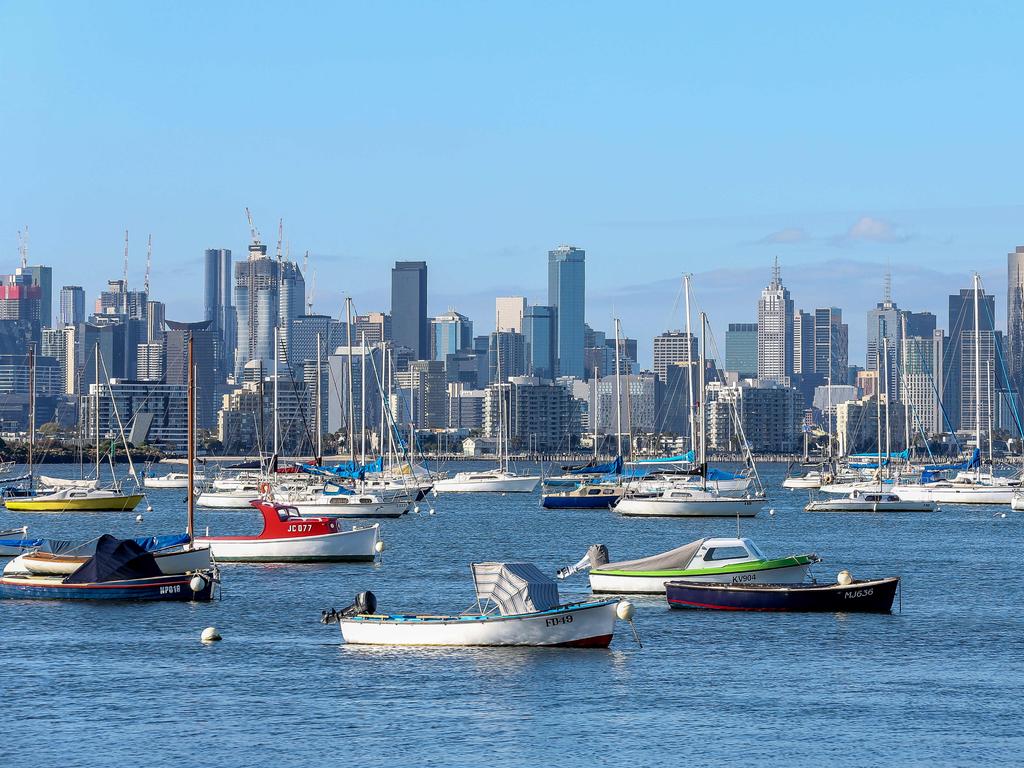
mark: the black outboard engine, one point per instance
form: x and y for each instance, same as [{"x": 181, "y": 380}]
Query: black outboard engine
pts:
[{"x": 365, "y": 602}]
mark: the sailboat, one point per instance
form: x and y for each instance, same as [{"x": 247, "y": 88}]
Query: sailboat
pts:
[
  {"x": 498, "y": 480},
  {"x": 76, "y": 498},
  {"x": 686, "y": 499}
]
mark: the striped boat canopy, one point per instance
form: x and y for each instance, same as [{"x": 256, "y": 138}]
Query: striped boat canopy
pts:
[{"x": 513, "y": 588}]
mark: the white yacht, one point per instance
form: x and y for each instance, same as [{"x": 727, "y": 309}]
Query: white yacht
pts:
[{"x": 688, "y": 502}]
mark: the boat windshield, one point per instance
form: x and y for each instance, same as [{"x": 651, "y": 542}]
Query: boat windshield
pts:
[{"x": 726, "y": 553}]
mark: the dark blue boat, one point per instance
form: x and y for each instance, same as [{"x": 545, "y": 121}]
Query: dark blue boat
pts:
[
  {"x": 583, "y": 497},
  {"x": 859, "y": 596},
  {"x": 119, "y": 570}
]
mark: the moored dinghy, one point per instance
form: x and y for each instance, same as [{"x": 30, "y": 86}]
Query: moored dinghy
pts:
[
  {"x": 724, "y": 560},
  {"x": 517, "y": 605},
  {"x": 845, "y": 596}
]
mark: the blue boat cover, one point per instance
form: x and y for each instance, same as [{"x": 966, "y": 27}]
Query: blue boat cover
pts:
[
  {"x": 115, "y": 560},
  {"x": 721, "y": 474},
  {"x": 333, "y": 489},
  {"x": 689, "y": 457},
  {"x": 971, "y": 463},
  {"x": 60, "y": 546},
  {"x": 609, "y": 468},
  {"x": 350, "y": 469}
]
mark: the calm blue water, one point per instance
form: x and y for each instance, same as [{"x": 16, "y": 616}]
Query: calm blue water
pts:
[{"x": 939, "y": 683}]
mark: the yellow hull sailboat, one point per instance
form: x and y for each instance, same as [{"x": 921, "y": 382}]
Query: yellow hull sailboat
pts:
[{"x": 76, "y": 500}]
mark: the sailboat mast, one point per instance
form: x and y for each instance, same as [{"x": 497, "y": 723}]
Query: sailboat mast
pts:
[
  {"x": 362, "y": 399},
  {"x": 348, "y": 358},
  {"x": 277, "y": 436},
  {"x": 689, "y": 362},
  {"x": 904, "y": 388},
  {"x": 878, "y": 409},
  {"x": 618, "y": 394},
  {"x": 700, "y": 403},
  {"x": 319, "y": 410},
  {"x": 190, "y": 453},
  {"x": 977, "y": 371},
  {"x": 885, "y": 376},
  {"x": 31, "y": 407},
  {"x": 96, "y": 410},
  {"x": 501, "y": 404},
  {"x": 597, "y": 381}
]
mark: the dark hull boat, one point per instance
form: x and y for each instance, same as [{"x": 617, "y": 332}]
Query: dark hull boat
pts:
[
  {"x": 119, "y": 570},
  {"x": 859, "y": 596}
]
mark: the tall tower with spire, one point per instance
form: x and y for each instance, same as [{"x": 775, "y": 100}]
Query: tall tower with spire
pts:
[{"x": 775, "y": 330}]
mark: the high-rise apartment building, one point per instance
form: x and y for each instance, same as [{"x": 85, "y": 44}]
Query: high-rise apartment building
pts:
[
  {"x": 508, "y": 313},
  {"x": 374, "y": 327},
  {"x": 959, "y": 360},
  {"x": 775, "y": 331},
  {"x": 72, "y": 305},
  {"x": 921, "y": 363},
  {"x": 204, "y": 359},
  {"x": 741, "y": 349},
  {"x": 506, "y": 355},
  {"x": 567, "y": 294},
  {"x": 42, "y": 278},
  {"x": 409, "y": 324},
  {"x": 149, "y": 364}
]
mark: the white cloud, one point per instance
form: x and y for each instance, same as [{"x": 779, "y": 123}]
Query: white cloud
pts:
[{"x": 868, "y": 229}]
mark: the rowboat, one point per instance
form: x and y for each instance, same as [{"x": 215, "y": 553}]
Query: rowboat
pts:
[
  {"x": 76, "y": 500},
  {"x": 722, "y": 560},
  {"x": 119, "y": 570},
  {"x": 870, "y": 502},
  {"x": 490, "y": 481},
  {"x": 583, "y": 497},
  {"x": 172, "y": 554},
  {"x": 855, "y": 596},
  {"x": 517, "y": 605},
  {"x": 693, "y": 502},
  {"x": 288, "y": 537}
]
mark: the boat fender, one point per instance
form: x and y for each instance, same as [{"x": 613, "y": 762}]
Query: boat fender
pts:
[
  {"x": 379, "y": 546},
  {"x": 197, "y": 583},
  {"x": 844, "y": 577},
  {"x": 625, "y": 610},
  {"x": 265, "y": 488}
]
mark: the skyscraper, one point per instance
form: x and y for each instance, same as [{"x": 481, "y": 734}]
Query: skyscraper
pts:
[
  {"x": 409, "y": 325},
  {"x": 567, "y": 294},
  {"x": 72, "y": 305},
  {"x": 958, "y": 364},
  {"x": 451, "y": 332},
  {"x": 775, "y": 331},
  {"x": 1015, "y": 319},
  {"x": 43, "y": 278},
  {"x": 218, "y": 303},
  {"x": 741, "y": 349},
  {"x": 508, "y": 313},
  {"x": 204, "y": 359},
  {"x": 831, "y": 345},
  {"x": 541, "y": 333},
  {"x": 803, "y": 342},
  {"x": 671, "y": 347}
]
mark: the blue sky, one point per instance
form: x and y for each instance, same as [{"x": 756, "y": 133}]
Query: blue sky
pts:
[{"x": 662, "y": 138}]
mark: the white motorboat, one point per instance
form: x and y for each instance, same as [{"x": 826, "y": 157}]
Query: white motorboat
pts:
[
  {"x": 170, "y": 480},
  {"x": 488, "y": 481},
  {"x": 688, "y": 503},
  {"x": 808, "y": 480},
  {"x": 955, "y": 493},
  {"x": 343, "y": 503},
  {"x": 871, "y": 501},
  {"x": 289, "y": 537},
  {"x": 227, "y": 499},
  {"x": 517, "y": 605},
  {"x": 720, "y": 560},
  {"x": 1017, "y": 502}
]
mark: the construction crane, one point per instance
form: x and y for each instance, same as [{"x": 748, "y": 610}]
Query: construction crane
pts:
[
  {"x": 23, "y": 247},
  {"x": 280, "y": 238},
  {"x": 125, "y": 260},
  {"x": 253, "y": 232},
  {"x": 312, "y": 284},
  {"x": 149, "y": 264}
]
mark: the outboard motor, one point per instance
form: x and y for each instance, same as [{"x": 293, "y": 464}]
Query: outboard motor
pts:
[
  {"x": 365, "y": 602},
  {"x": 598, "y": 555}
]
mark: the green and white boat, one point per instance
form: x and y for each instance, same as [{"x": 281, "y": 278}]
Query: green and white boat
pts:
[{"x": 717, "y": 560}]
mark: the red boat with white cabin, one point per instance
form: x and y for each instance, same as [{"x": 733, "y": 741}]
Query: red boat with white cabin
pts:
[{"x": 288, "y": 537}]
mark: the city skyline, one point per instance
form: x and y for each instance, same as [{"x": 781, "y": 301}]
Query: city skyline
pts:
[{"x": 672, "y": 179}]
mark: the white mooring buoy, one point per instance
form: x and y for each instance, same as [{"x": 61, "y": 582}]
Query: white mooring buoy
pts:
[
  {"x": 416, "y": 509},
  {"x": 138, "y": 518},
  {"x": 210, "y": 635}
]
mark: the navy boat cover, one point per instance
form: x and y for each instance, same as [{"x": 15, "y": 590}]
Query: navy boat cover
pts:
[{"x": 115, "y": 560}]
